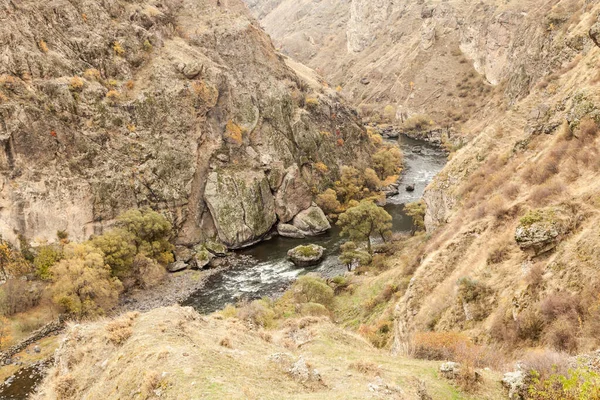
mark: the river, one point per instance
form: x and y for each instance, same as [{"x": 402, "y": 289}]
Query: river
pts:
[{"x": 271, "y": 272}]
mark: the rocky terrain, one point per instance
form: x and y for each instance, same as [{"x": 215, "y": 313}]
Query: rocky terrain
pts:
[
  {"x": 181, "y": 105},
  {"x": 174, "y": 353}
]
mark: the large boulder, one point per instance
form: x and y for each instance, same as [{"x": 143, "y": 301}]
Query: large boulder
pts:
[
  {"x": 541, "y": 230},
  {"x": 241, "y": 204},
  {"x": 292, "y": 196},
  {"x": 290, "y": 231},
  {"x": 312, "y": 221},
  {"x": 305, "y": 256}
]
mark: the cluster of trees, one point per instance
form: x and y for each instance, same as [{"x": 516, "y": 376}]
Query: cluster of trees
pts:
[
  {"x": 354, "y": 185},
  {"x": 85, "y": 279}
]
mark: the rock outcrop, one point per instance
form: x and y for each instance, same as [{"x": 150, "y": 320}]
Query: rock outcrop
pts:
[
  {"x": 541, "y": 230},
  {"x": 242, "y": 205},
  {"x": 113, "y": 105},
  {"x": 307, "y": 255}
]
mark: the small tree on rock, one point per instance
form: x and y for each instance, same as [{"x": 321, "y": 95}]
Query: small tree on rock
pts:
[{"x": 366, "y": 219}]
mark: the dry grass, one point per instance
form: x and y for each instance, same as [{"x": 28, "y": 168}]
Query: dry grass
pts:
[{"x": 365, "y": 367}]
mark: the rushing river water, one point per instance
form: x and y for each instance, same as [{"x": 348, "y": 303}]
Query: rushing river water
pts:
[{"x": 271, "y": 272}]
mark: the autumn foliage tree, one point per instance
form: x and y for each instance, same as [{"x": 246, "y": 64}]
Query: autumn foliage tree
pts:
[
  {"x": 363, "y": 221},
  {"x": 82, "y": 285}
]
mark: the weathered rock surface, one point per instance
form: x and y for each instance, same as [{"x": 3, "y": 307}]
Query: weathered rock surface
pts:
[
  {"x": 136, "y": 103},
  {"x": 202, "y": 257},
  {"x": 242, "y": 205},
  {"x": 312, "y": 221},
  {"x": 177, "y": 266},
  {"x": 287, "y": 230},
  {"x": 293, "y": 195},
  {"x": 306, "y": 256},
  {"x": 516, "y": 383},
  {"x": 450, "y": 369},
  {"x": 541, "y": 230}
]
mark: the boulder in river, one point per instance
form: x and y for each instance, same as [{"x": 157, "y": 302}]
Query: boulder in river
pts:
[
  {"x": 312, "y": 221},
  {"x": 305, "y": 256}
]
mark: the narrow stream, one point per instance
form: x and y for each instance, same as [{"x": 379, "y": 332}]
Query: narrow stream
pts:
[{"x": 271, "y": 272}]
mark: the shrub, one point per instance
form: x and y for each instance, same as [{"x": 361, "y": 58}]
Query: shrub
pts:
[
  {"x": 45, "y": 258},
  {"x": 13, "y": 262},
  {"x": 321, "y": 168},
  {"x": 542, "y": 193},
  {"x": 147, "y": 272},
  {"x": 311, "y": 102},
  {"x": 372, "y": 181},
  {"x": 365, "y": 367},
  {"x": 92, "y": 74},
  {"x": 76, "y": 83},
  {"x": 308, "y": 289},
  {"x": 119, "y": 251},
  {"x": 416, "y": 123},
  {"x": 119, "y": 330},
  {"x": 81, "y": 282},
  {"x": 529, "y": 325},
  {"x": 328, "y": 201},
  {"x": 546, "y": 362},
  {"x": 379, "y": 334},
  {"x": 499, "y": 254},
  {"x": 575, "y": 385},
  {"x": 258, "y": 313},
  {"x": 313, "y": 309},
  {"x": 113, "y": 95},
  {"x": 118, "y": 49},
  {"x": 561, "y": 335},
  {"x": 350, "y": 255},
  {"x": 588, "y": 128},
  {"x": 151, "y": 232},
  {"x": 561, "y": 304},
  {"x": 389, "y": 113},
  {"x": 439, "y": 345}
]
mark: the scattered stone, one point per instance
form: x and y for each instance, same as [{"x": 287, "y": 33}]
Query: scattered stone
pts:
[
  {"x": 37, "y": 348},
  {"x": 222, "y": 157},
  {"x": 301, "y": 372},
  {"x": 183, "y": 253},
  {"x": 202, "y": 256},
  {"x": 177, "y": 266},
  {"x": 305, "y": 256},
  {"x": 516, "y": 383},
  {"x": 365, "y": 81},
  {"x": 410, "y": 188},
  {"x": 216, "y": 248},
  {"x": 450, "y": 369}
]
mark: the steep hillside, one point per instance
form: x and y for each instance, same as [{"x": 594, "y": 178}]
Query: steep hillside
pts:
[
  {"x": 181, "y": 105},
  {"x": 174, "y": 353},
  {"x": 513, "y": 218},
  {"x": 440, "y": 58}
]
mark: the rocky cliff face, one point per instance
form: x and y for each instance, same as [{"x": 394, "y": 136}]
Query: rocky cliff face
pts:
[
  {"x": 179, "y": 104},
  {"x": 441, "y": 58}
]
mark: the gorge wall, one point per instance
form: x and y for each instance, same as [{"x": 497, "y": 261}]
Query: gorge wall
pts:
[{"x": 181, "y": 105}]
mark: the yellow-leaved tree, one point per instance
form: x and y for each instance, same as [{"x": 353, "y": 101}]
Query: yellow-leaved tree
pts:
[{"x": 82, "y": 285}]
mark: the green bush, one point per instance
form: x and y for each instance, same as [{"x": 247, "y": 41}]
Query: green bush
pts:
[
  {"x": 45, "y": 258},
  {"x": 308, "y": 289},
  {"x": 119, "y": 251},
  {"x": 575, "y": 385},
  {"x": 151, "y": 232}
]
